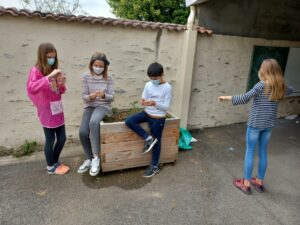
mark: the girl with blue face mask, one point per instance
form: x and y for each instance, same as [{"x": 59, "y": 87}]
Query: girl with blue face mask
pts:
[
  {"x": 97, "y": 94},
  {"x": 45, "y": 86}
]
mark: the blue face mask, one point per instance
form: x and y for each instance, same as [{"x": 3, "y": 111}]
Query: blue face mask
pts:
[
  {"x": 155, "y": 82},
  {"x": 50, "y": 61}
]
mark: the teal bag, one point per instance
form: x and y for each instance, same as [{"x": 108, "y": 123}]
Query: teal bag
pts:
[{"x": 185, "y": 139}]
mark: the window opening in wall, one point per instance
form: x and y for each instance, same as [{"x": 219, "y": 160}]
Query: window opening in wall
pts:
[{"x": 265, "y": 52}]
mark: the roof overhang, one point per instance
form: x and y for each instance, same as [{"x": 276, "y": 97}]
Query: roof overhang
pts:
[{"x": 194, "y": 2}]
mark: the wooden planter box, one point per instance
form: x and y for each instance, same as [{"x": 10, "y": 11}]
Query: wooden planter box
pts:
[{"x": 121, "y": 148}]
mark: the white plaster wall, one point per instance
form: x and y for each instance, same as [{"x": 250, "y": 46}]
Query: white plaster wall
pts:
[
  {"x": 222, "y": 67},
  {"x": 129, "y": 50}
]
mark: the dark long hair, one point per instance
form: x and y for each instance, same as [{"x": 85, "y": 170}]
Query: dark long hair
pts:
[{"x": 102, "y": 57}]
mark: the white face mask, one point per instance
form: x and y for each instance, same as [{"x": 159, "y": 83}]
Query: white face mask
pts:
[{"x": 98, "y": 70}]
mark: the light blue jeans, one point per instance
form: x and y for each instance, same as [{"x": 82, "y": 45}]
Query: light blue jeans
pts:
[{"x": 260, "y": 137}]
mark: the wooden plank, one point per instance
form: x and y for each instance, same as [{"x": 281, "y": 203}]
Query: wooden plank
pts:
[
  {"x": 121, "y": 127},
  {"x": 133, "y": 163},
  {"x": 128, "y": 156},
  {"x": 136, "y": 144},
  {"x": 131, "y": 136},
  {"x": 108, "y": 157}
]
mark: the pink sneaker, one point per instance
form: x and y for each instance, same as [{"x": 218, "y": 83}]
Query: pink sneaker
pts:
[
  {"x": 63, "y": 168},
  {"x": 59, "y": 169}
]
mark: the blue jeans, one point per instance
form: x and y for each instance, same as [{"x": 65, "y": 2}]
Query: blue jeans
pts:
[
  {"x": 156, "y": 126},
  {"x": 261, "y": 137},
  {"x": 52, "y": 151}
]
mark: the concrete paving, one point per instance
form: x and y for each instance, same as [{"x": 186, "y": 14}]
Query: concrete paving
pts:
[{"x": 197, "y": 189}]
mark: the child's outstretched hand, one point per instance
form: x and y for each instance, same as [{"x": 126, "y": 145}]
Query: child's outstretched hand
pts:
[{"x": 224, "y": 98}]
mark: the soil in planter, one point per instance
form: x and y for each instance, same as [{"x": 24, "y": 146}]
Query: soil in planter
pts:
[{"x": 119, "y": 115}]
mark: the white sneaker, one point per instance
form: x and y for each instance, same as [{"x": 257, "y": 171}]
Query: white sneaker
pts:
[
  {"x": 86, "y": 165},
  {"x": 95, "y": 168}
]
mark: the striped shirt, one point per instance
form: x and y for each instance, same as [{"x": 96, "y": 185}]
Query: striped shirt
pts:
[
  {"x": 263, "y": 112},
  {"x": 91, "y": 84}
]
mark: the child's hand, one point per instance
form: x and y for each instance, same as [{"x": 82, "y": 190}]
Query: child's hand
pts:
[
  {"x": 150, "y": 103},
  {"x": 54, "y": 73},
  {"x": 92, "y": 96},
  {"x": 224, "y": 98},
  {"x": 61, "y": 79},
  {"x": 100, "y": 94},
  {"x": 53, "y": 85},
  {"x": 143, "y": 102}
]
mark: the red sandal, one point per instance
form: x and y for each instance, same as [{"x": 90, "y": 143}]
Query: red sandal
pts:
[
  {"x": 239, "y": 183},
  {"x": 258, "y": 187}
]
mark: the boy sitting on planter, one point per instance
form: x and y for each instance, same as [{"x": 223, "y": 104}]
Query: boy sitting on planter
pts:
[{"x": 156, "y": 98}]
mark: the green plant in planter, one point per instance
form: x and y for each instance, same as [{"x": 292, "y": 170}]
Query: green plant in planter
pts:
[
  {"x": 117, "y": 115},
  {"x": 168, "y": 116},
  {"x": 114, "y": 110},
  {"x": 109, "y": 118},
  {"x": 134, "y": 108}
]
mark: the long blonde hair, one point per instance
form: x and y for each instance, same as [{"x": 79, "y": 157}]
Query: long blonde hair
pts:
[
  {"x": 270, "y": 72},
  {"x": 42, "y": 63}
]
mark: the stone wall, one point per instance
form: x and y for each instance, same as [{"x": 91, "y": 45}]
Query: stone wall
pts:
[
  {"x": 222, "y": 67},
  {"x": 129, "y": 50}
]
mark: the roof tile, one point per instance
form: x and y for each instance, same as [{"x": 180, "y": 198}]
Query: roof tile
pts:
[{"x": 101, "y": 20}]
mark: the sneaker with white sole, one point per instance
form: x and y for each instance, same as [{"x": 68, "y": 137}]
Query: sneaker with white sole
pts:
[
  {"x": 86, "y": 165},
  {"x": 95, "y": 167},
  {"x": 150, "y": 171},
  {"x": 58, "y": 169},
  {"x": 149, "y": 145}
]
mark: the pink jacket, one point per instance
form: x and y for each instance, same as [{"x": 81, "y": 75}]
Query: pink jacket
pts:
[{"x": 46, "y": 100}]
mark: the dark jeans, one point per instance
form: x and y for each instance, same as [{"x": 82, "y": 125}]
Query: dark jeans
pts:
[
  {"x": 52, "y": 151},
  {"x": 156, "y": 127}
]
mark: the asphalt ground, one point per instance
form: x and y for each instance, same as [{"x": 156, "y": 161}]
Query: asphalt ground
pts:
[{"x": 197, "y": 189}]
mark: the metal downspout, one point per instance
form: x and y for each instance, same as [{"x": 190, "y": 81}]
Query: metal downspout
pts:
[{"x": 186, "y": 69}]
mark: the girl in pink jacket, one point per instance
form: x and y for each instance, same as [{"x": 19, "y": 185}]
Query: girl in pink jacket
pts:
[{"x": 45, "y": 85}]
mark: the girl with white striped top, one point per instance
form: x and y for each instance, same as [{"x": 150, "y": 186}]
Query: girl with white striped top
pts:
[
  {"x": 97, "y": 94},
  {"x": 262, "y": 118}
]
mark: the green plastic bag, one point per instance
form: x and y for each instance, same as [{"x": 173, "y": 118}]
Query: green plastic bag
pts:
[{"x": 185, "y": 139}]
